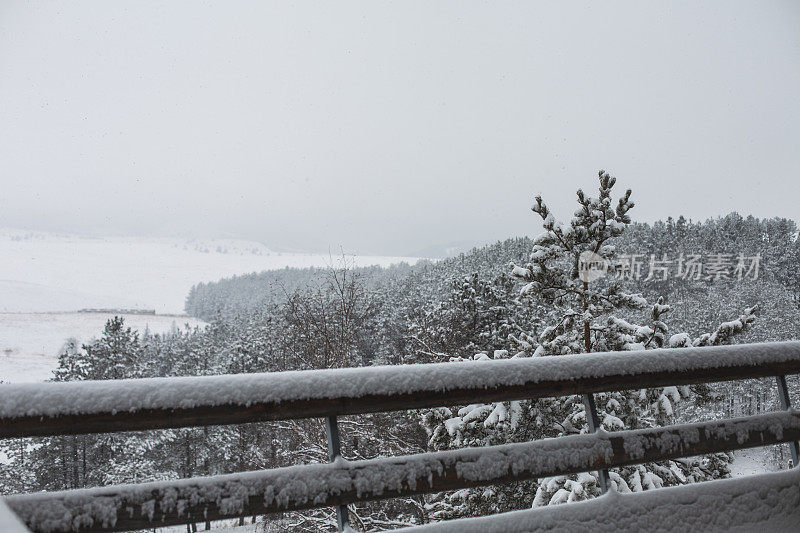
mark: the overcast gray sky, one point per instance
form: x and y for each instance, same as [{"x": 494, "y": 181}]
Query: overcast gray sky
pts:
[{"x": 388, "y": 127}]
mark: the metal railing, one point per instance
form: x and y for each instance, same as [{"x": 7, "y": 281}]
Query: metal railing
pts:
[{"x": 32, "y": 410}]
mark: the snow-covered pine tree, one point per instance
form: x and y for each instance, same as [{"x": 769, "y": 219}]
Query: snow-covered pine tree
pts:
[
  {"x": 115, "y": 355},
  {"x": 477, "y": 317},
  {"x": 588, "y": 320}
]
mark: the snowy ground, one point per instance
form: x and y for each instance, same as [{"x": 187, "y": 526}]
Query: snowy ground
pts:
[
  {"x": 41, "y": 272},
  {"x": 753, "y": 461},
  {"x": 30, "y": 342}
]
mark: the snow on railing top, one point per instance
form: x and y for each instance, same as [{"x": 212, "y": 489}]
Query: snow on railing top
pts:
[
  {"x": 765, "y": 502},
  {"x": 473, "y": 379}
]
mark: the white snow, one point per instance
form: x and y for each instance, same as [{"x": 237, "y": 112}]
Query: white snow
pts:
[
  {"x": 42, "y": 271},
  {"x": 30, "y": 342},
  {"x": 766, "y": 502},
  {"x": 53, "y": 399},
  {"x": 753, "y": 461},
  {"x": 9, "y": 522}
]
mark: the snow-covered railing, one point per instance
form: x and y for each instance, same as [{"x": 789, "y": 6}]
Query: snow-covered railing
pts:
[
  {"x": 32, "y": 410},
  {"x": 88, "y": 407},
  {"x": 766, "y": 503}
]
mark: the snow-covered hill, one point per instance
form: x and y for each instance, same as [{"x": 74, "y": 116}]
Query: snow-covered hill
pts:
[{"x": 44, "y": 272}]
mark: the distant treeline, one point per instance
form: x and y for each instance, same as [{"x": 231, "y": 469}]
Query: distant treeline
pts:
[
  {"x": 231, "y": 296},
  {"x": 775, "y": 240}
]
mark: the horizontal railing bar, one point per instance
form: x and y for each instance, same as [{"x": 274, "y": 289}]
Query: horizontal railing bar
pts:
[
  {"x": 767, "y": 502},
  {"x": 323, "y": 485},
  {"x": 65, "y": 408}
]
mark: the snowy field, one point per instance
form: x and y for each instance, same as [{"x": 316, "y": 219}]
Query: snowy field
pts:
[
  {"x": 30, "y": 342},
  {"x": 45, "y": 272},
  {"x": 46, "y": 277}
]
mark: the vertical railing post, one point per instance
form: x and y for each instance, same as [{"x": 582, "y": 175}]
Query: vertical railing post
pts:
[
  {"x": 594, "y": 425},
  {"x": 334, "y": 451},
  {"x": 783, "y": 397}
]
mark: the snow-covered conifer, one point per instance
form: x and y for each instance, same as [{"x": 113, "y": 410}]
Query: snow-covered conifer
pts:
[{"x": 593, "y": 315}]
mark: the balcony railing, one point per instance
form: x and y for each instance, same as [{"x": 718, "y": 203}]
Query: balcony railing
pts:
[{"x": 68, "y": 408}]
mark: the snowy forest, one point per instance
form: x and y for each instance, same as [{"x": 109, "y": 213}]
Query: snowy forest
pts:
[{"x": 673, "y": 283}]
